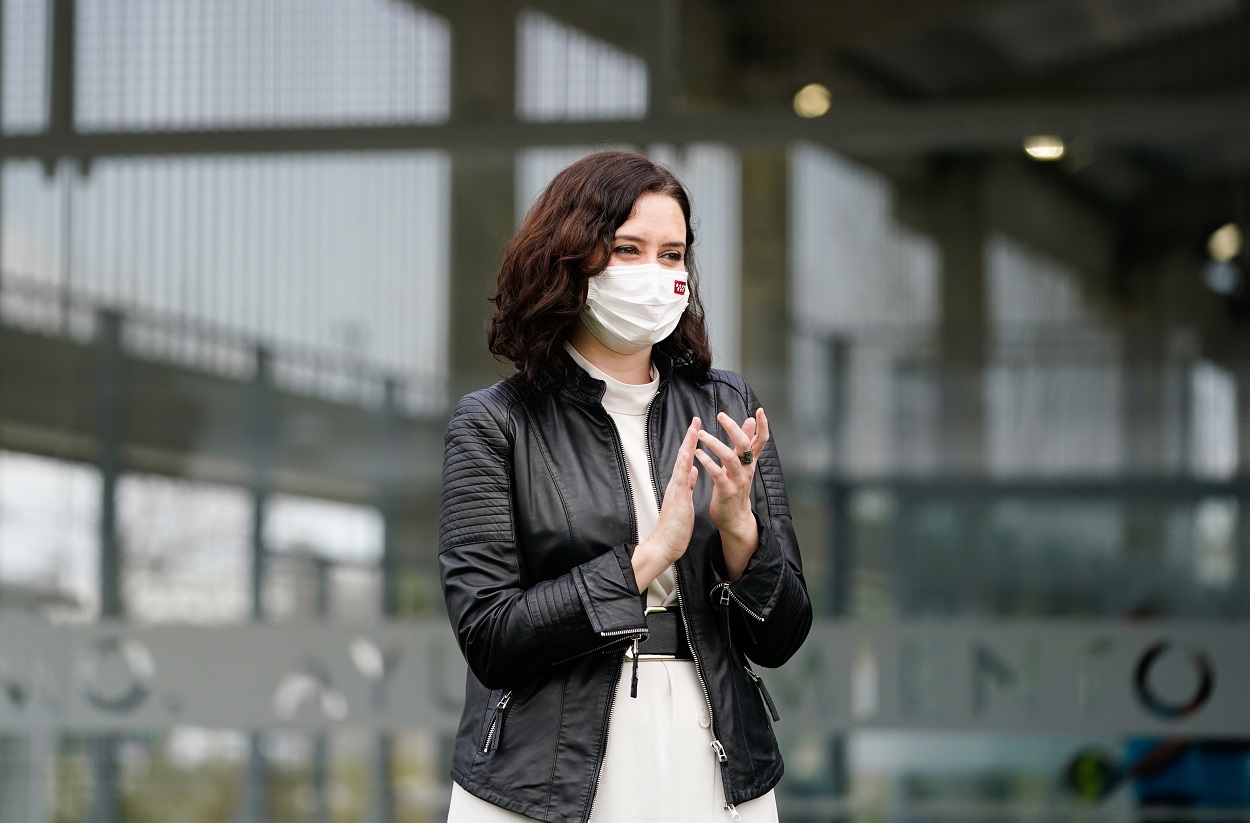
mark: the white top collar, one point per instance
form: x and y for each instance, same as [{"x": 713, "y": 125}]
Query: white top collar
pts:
[{"x": 620, "y": 398}]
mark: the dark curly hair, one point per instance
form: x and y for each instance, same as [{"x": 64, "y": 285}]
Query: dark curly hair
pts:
[{"x": 565, "y": 239}]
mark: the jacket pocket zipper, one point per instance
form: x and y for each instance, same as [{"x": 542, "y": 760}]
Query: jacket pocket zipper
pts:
[
  {"x": 768, "y": 700},
  {"x": 495, "y": 731}
]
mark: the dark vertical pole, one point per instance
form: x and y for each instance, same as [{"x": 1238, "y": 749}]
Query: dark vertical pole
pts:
[
  {"x": 61, "y": 87},
  {"x": 2, "y": 159},
  {"x": 483, "y": 202},
  {"x": 109, "y": 397},
  {"x": 2, "y": 164},
  {"x": 1239, "y": 603},
  {"x": 958, "y": 220},
  {"x": 1143, "y": 424},
  {"x": 840, "y": 549},
  {"x": 388, "y": 494},
  {"x": 61, "y": 123},
  {"x": 321, "y": 741},
  {"x": 322, "y": 568},
  {"x": 765, "y": 301},
  {"x": 1181, "y": 362},
  {"x": 765, "y": 320},
  {"x": 260, "y": 446},
  {"x": 383, "y": 809},
  {"x": 109, "y": 431},
  {"x": 840, "y": 567},
  {"x": 483, "y": 195},
  {"x": 958, "y": 217},
  {"x": 254, "y": 794},
  {"x": 67, "y": 173},
  {"x": 661, "y": 46}
]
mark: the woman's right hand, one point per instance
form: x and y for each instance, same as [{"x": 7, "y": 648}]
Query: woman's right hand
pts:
[{"x": 671, "y": 536}]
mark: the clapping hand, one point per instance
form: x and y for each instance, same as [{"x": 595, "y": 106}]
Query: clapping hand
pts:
[{"x": 732, "y": 476}]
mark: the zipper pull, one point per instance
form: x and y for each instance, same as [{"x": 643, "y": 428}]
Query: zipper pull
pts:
[
  {"x": 496, "y": 723},
  {"x": 768, "y": 700},
  {"x": 633, "y": 679},
  {"x": 733, "y": 812},
  {"x": 724, "y": 594},
  {"x": 720, "y": 750}
]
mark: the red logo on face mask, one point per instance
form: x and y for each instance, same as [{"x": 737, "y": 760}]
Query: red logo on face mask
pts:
[{"x": 679, "y": 287}]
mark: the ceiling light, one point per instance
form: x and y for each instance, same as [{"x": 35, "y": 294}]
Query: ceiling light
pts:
[
  {"x": 1225, "y": 243},
  {"x": 813, "y": 100},
  {"x": 1044, "y": 147}
]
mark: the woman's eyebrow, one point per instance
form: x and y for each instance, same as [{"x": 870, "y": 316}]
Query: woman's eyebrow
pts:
[{"x": 635, "y": 239}]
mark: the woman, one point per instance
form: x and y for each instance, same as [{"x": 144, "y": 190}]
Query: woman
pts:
[{"x": 615, "y": 539}]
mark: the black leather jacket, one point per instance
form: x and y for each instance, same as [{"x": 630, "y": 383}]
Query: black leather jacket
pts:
[{"x": 535, "y": 534}]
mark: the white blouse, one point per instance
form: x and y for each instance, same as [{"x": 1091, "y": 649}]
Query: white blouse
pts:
[{"x": 627, "y": 404}]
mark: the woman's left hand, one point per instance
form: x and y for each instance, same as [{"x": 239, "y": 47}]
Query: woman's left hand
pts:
[{"x": 732, "y": 478}]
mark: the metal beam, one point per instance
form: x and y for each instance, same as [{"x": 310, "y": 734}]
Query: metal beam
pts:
[
  {"x": 62, "y": 59},
  {"x": 1138, "y": 487},
  {"x": 620, "y": 24},
  {"x": 821, "y": 27},
  {"x": 867, "y": 129}
]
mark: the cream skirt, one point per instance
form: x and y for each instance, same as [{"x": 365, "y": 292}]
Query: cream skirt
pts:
[{"x": 659, "y": 765}]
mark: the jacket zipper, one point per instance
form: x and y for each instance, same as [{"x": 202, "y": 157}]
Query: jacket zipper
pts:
[
  {"x": 633, "y": 519},
  {"x": 717, "y": 747},
  {"x": 641, "y": 632},
  {"x": 646, "y": 442},
  {"x": 603, "y": 748},
  {"x": 727, "y": 593},
  {"x": 768, "y": 700},
  {"x": 496, "y": 723}
]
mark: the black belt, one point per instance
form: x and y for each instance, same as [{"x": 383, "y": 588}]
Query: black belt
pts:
[{"x": 666, "y": 636}]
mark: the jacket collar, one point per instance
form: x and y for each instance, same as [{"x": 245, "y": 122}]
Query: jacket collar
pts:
[{"x": 580, "y": 387}]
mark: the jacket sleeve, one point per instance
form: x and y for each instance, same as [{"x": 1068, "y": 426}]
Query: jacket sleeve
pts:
[
  {"x": 510, "y": 633},
  {"x": 768, "y": 607}
]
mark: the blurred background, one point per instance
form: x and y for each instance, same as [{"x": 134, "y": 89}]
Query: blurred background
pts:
[{"x": 982, "y": 260}]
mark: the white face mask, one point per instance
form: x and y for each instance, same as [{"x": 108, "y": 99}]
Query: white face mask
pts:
[{"x": 629, "y": 308}]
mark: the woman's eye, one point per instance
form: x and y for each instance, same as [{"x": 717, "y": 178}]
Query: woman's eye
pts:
[
  {"x": 675, "y": 256},
  {"x": 624, "y": 250}
]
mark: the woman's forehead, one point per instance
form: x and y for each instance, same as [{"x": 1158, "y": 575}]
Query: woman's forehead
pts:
[{"x": 655, "y": 211}]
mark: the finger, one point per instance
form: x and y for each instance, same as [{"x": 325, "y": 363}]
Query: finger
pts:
[
  {"x": 694, "y": 476},
  {"x": 684, "y": 463},
  {"x": 761, "y": 431},
  {"x": 739, "y": 438},
  {"x": 685, "y": 452},
  {"x": 749, "y": 428},
  {"x": 713, "y": 444},
  {"x": 713, "y": 468}
]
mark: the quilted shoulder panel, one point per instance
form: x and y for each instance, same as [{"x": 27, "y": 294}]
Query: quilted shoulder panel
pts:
[{"x": 476, "y": 493}]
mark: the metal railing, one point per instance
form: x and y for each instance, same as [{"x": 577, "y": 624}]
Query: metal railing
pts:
[{"x": 55, "y": 311}]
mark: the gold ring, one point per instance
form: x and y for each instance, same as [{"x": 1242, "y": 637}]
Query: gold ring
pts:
[{"x": 745, "y": 458}]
